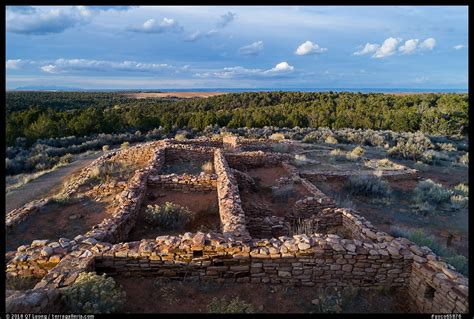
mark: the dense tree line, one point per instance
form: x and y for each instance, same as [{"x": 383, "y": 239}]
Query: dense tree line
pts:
[{"x": 35, "y": 115}]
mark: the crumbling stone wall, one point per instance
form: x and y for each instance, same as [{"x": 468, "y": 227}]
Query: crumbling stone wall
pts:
[
  {"x": 117, "y": 227},
  {"x": 436, "y": 288},
  {"x": 179, "y": 152},
  {"x": 230, "y": 207},
  {"x": 244, "y": 160},
  {"x": 186, "y": 183},
  {"x": 369, "y": 258},
  {"x": 132, "y": 154},
  {"x": 301, "y": 260}
]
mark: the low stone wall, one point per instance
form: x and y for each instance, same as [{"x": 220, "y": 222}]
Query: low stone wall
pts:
[
  {"x": 230, "y": 206},
  {"x": 201, "y": 141},
  {"x": 43, "y": 300},
  {"x": 185, "y": 183},
  {"x": 117, "y": 227},
  {"x": 180, "y": 152},
  {"x": 436, "y": 288},
  {"x": 133, "y": 154},
  {"x": 19, "y": 215},
  {"x": 256, "y": 159},
  {"x": 302, "y": 260},
  {"x": 367, "y": 258},
  {"x": 317, "y": 176}
]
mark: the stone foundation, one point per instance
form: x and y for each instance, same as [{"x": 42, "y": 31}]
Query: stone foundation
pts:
[{"x": 368, "y": 258}]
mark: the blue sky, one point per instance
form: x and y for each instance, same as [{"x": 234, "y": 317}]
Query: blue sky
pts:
[{"x": 145, "y": 47}]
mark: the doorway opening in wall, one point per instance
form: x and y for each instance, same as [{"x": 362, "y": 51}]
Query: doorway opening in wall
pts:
[{"x": 429, "y": 292}]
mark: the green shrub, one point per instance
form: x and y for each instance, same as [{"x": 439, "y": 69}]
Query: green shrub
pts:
[
  {"x": 428, "y": 196},
  {"x": 412, "y": 147},
  {"x": 338, "y": 154},
  {"x": 461, "y": 189},
  {"x": 280, "y": 148},
  {"x": 66, "y": 159},
  {"x": 300, "y": 160},
  {"x": 92, "y": 293},
  {"x": 312, "y": 137},
  {"x": 333, "y": 299},
  {"x": 448, "y": 147},
  {"x": 460, "y": 197},
  {"x": 358, "y": 151},
  {"x": 125, "y": 145},
  {"x": 181, "y": 136},
  {"x": 330, "y": 140},
  {"x": 111, "y": 170},
  {"x": 277, "y": 136},
  {"x": 235, "y": 305},
  {"x": 169, "y": 216},
  {"x": 368, "y": 185},
  {"x": 460, "y": 263},
  {"x": 105, "y": 148},
  {"x": 61, "y": 199},
  {"x": 464, "y": 159},
  {"x": 387, "y": 164}
]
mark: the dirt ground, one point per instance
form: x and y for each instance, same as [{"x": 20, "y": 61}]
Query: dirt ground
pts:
[
  {"x": 398, "y": 212},
  {"x": 182, "y": 95},
  {"x": 262, "y": 199},
  {"x": 203, "y": 204},
  {"x": 146, "y": 295},
  {"x": 54, "y": 221},
  {"x": 46, "y": 184}
]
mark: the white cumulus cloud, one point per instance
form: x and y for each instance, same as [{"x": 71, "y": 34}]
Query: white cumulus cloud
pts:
[
  {"x": 409, "y": 47},
  {"x": 252, "y": 49},
  {"x": 281, "y": 67},
  {"x": 388, "y": 48},
  {"x": 428, "y": 44},
  {"x": 309, "y": 47},
  {"x": 152, "y": 26},
  {"x": 368, "y": 48},
  {"x": 459, "y": 47}
]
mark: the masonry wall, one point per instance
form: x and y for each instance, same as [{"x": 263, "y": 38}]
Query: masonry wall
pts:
[
  {"x": 303, "y": 260},
  {"x": 256, "y": 159},
  {"x": 230, "y": 206},
  {"x": 436, "y": 288},
  {"x": 186, "y": 183},
  {"x": 177, "y": 152}
]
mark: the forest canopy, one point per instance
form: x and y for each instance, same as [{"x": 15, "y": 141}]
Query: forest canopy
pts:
[{"x": 37, "y": 115}]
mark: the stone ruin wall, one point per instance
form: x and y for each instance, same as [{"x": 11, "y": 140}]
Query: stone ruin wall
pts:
[
  {"x": 185, "y": 183},
  {"x": 245, "y": 160},
  {"x": 132, "y": 154},
  {"x": 371, "y": 258},
  {"x": 180, "y": 152},
  {"x": 230, "y": 205}
]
